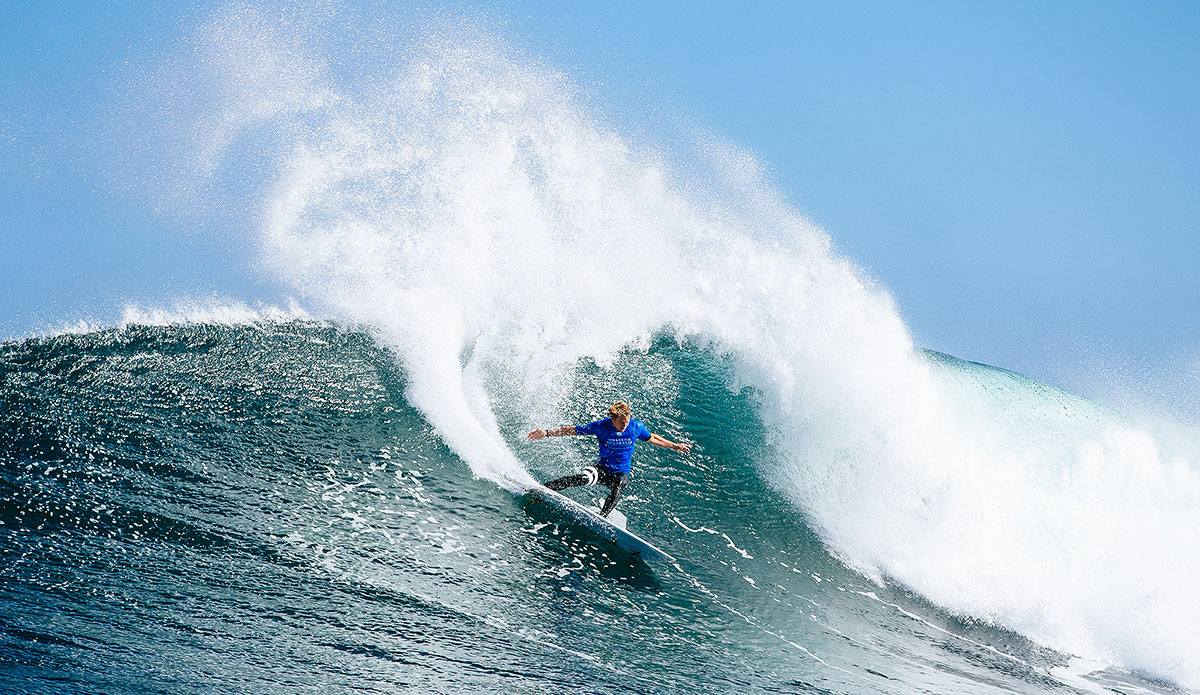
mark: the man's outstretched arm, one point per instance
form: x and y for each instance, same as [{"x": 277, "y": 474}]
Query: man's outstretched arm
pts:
[
  {"x": 567, "y": 431},
  {"x": 668, "y": 444}
]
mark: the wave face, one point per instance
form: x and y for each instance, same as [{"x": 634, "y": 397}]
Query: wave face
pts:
[
  {"x": 522, "y": 263},
  {"x": 220, "y": 508}
]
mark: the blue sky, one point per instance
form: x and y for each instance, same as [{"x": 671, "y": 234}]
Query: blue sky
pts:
[{"x": 1022, "y": 176}]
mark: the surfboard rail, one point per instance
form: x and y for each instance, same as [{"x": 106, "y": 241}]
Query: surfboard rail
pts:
[{"x": 623, "y": 539}]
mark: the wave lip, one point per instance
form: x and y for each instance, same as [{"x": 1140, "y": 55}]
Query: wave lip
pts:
[
  {"x": 187, "y": 312},
  {"x": 223, "y": 313}
]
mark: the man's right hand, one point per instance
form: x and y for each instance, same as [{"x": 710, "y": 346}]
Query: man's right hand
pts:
[{"x": 536, "y": 435}]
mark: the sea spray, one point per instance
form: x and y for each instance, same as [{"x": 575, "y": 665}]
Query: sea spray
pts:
[{"x": 487, "y": 225}]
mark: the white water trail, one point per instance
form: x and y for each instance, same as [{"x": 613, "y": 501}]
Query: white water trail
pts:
[{"x": 470, "y": 210}]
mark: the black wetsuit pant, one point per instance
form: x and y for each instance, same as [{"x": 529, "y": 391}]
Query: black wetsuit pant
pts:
[{"x": 595, "y": 476}]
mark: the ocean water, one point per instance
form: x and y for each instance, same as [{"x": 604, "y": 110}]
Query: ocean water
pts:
[
  {"x": 326, "y": 498},
  {"x": 258, "y": 508}
]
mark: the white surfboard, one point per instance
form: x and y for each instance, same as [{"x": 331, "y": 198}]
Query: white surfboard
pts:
[{"x": 605, "y": 528}]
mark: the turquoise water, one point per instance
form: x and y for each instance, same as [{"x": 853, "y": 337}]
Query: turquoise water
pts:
[{"x": 257, "y": 508}]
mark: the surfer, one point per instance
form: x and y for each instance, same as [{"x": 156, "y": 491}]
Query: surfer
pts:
[{"x": 617, "y": 434}]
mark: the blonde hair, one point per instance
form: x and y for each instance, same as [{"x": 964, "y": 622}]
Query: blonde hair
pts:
[{"x": 619, "y": 409}]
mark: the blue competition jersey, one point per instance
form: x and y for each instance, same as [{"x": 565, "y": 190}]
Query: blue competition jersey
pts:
[{"x": 616, "y": 448}]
